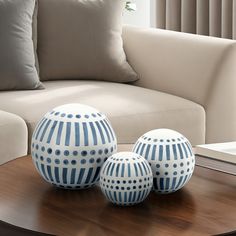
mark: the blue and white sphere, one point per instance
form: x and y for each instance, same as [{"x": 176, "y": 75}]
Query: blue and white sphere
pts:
[
  {"x": 70, "y": 145},
  {"x": 171, "y": 158},
  {"x": 126, "y": 178}
]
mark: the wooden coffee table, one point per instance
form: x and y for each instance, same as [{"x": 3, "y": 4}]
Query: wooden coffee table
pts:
[{"x": 205, "y": 206}]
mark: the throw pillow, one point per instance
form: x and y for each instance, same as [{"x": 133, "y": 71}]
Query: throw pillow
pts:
[
  {"x": 17, "y": 57},
  {"x": 81, "y": 39}
]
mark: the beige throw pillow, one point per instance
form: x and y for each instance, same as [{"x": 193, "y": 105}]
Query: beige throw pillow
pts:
[
  {"x": 81, "y": 39},
  {"x": 17, "y": 52}
]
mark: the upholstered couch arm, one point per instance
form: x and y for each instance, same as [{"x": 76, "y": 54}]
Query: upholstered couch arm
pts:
[
  {"x": 199, "y": 68},
  {"x": 13, "y": 137}
]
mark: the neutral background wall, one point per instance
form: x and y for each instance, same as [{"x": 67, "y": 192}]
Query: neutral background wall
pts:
[{"x": 142, "y": 16}]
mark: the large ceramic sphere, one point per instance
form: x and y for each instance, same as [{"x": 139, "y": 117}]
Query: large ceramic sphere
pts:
[
  {"x": 171, "y": 158},
  {"x": 126, "y": 178},
  {"x": 70, "y": 145}
]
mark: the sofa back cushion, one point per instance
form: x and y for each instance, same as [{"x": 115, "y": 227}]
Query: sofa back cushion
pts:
[
  {"x": 81, "y": 39},
  {"x": 17, "y": 52}
]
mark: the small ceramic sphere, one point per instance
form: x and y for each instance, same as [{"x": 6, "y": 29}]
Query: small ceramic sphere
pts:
[
  {"x": 126, "y": 178},
  {"x": 70, "y": 145},
  {"x": 171, "y": 158}
]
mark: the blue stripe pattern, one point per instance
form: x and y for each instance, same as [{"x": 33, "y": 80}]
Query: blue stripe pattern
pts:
[
  {"x": 117, "y": 169},
  {"x": 96, "y": 175},
  {"x": 123, "y": 170},
  {"x": 160, "y": 152},
  {"x": 162, "y": 184},
  {"x": 89, "y": 175},
  {"x": 73, "y": 173},
  {"x": 144, "y": 168},
  {"x": 57, "y": 175},
  {"x": 167, "y": 185},
  {"x": 129, "y": 170},
  {"x": 171, "y": 159},
  {"x": 68, "y": 131},
  {"x": 59, "y": 132},
  {"x": 95, "y": 139},
  {"x": 69, "y": 146},
  {"x": 185, "y": 150},
  {"x": 140, "y": 168},
  {"x": 147, "y": 150},
  {"x": 106, "y": 131},
  {"x": 81, "y": 175},
  {"x": 51, "y": 131},
  {"x": 85, "y": 129},
  {"x": 100, "y": 132},
  {"x": 44, "y": 172},
  {"x": 41, "y": 124},
  {"x": 180, "y": 151},
  {"x": 126, "y": 182},
  {"x": 136, "y": 169},
  {"x": 44, "y": 130},
  {"x": 142, "y": 149},
  {"x": 137, "y": 151},
  {"x": 64, "y": 175},
  {"x": 49, "y": 172},
  {"x": 112, "y": 169},
  {"x": 105, "y": 166},
  {"x": 154, "y": 152},
  {"x": 175, "y": 152},
  {"x": 168, "y": 152},
  {"x": 109, "y": 127},
  {"x": 189, "y": 148},
  {"x": 77, "y": 134},
  {"x": 135, "y": 146},
  {"x": 108, "y": 168},
  {"x": 173, "y": 183}
]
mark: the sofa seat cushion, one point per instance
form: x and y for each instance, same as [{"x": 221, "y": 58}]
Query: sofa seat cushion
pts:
[
  {"x": 132, "y": 110},
  {"x": 13, "y": 137}
]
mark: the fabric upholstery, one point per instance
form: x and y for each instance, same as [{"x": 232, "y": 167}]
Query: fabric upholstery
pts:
[
  {"x": 131, "y": 110},
  {"x": 206, "y": 17},
  {"x": 35, "y": 34},
  {"x": 85, "y": 43},
  {"x": 17, "y": 58},
  {"x": 13, "y": 137},
  {"x": 198, "y": 68}
]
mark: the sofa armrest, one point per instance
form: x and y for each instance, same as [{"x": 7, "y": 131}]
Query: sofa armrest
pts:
[
  {"x": 13, "y": 137},
  {"x": 221, "y": 101},
  {"x": 198, "y": 68}
]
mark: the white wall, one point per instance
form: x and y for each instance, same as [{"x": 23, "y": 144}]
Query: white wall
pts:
[{"x": 140, "y": 17}]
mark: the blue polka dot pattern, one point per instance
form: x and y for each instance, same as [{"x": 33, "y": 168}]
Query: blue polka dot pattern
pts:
[
  {"x": 126, "y": 178},
  {"x": 170, "y": 156},
  {"x": 70, "y": 145}
]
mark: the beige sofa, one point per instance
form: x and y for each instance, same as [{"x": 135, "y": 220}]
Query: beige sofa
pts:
[{"x": 187, "y": 83}]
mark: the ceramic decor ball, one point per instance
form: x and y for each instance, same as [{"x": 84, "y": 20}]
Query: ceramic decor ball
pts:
[
  {"x": 126, "y": 178},
  {"x": 70, "y": 145},
  {"x": 171, "y": 158}
]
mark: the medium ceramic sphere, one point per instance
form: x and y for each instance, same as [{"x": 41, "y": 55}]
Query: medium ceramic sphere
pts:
[
  {"x": 70, "y": 145},
  {"x": 126, "y": 178},
  {"x": 171, "y": 158}
]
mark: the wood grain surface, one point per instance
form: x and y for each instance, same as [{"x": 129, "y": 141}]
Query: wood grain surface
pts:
[{"x": 205, "y": 206}]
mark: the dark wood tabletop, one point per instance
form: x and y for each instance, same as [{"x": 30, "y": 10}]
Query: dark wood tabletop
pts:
[{"x": 205, "y": 206}]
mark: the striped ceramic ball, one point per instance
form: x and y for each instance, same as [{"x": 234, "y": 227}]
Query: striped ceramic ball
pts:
[
  {"x": 70, "y": 145},
  {"x": 126, "y": 178},
  {"x": 171, "y": 158}
]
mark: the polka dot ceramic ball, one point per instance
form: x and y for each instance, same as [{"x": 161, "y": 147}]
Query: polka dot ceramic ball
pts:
[
  {"x": 70, "y": 145},
  {"x": 171, "y": 158},
  {"x": 126, "y": 178}
]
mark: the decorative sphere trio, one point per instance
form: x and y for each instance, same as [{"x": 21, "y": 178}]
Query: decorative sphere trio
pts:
[{"x": 74, "y": 146}]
